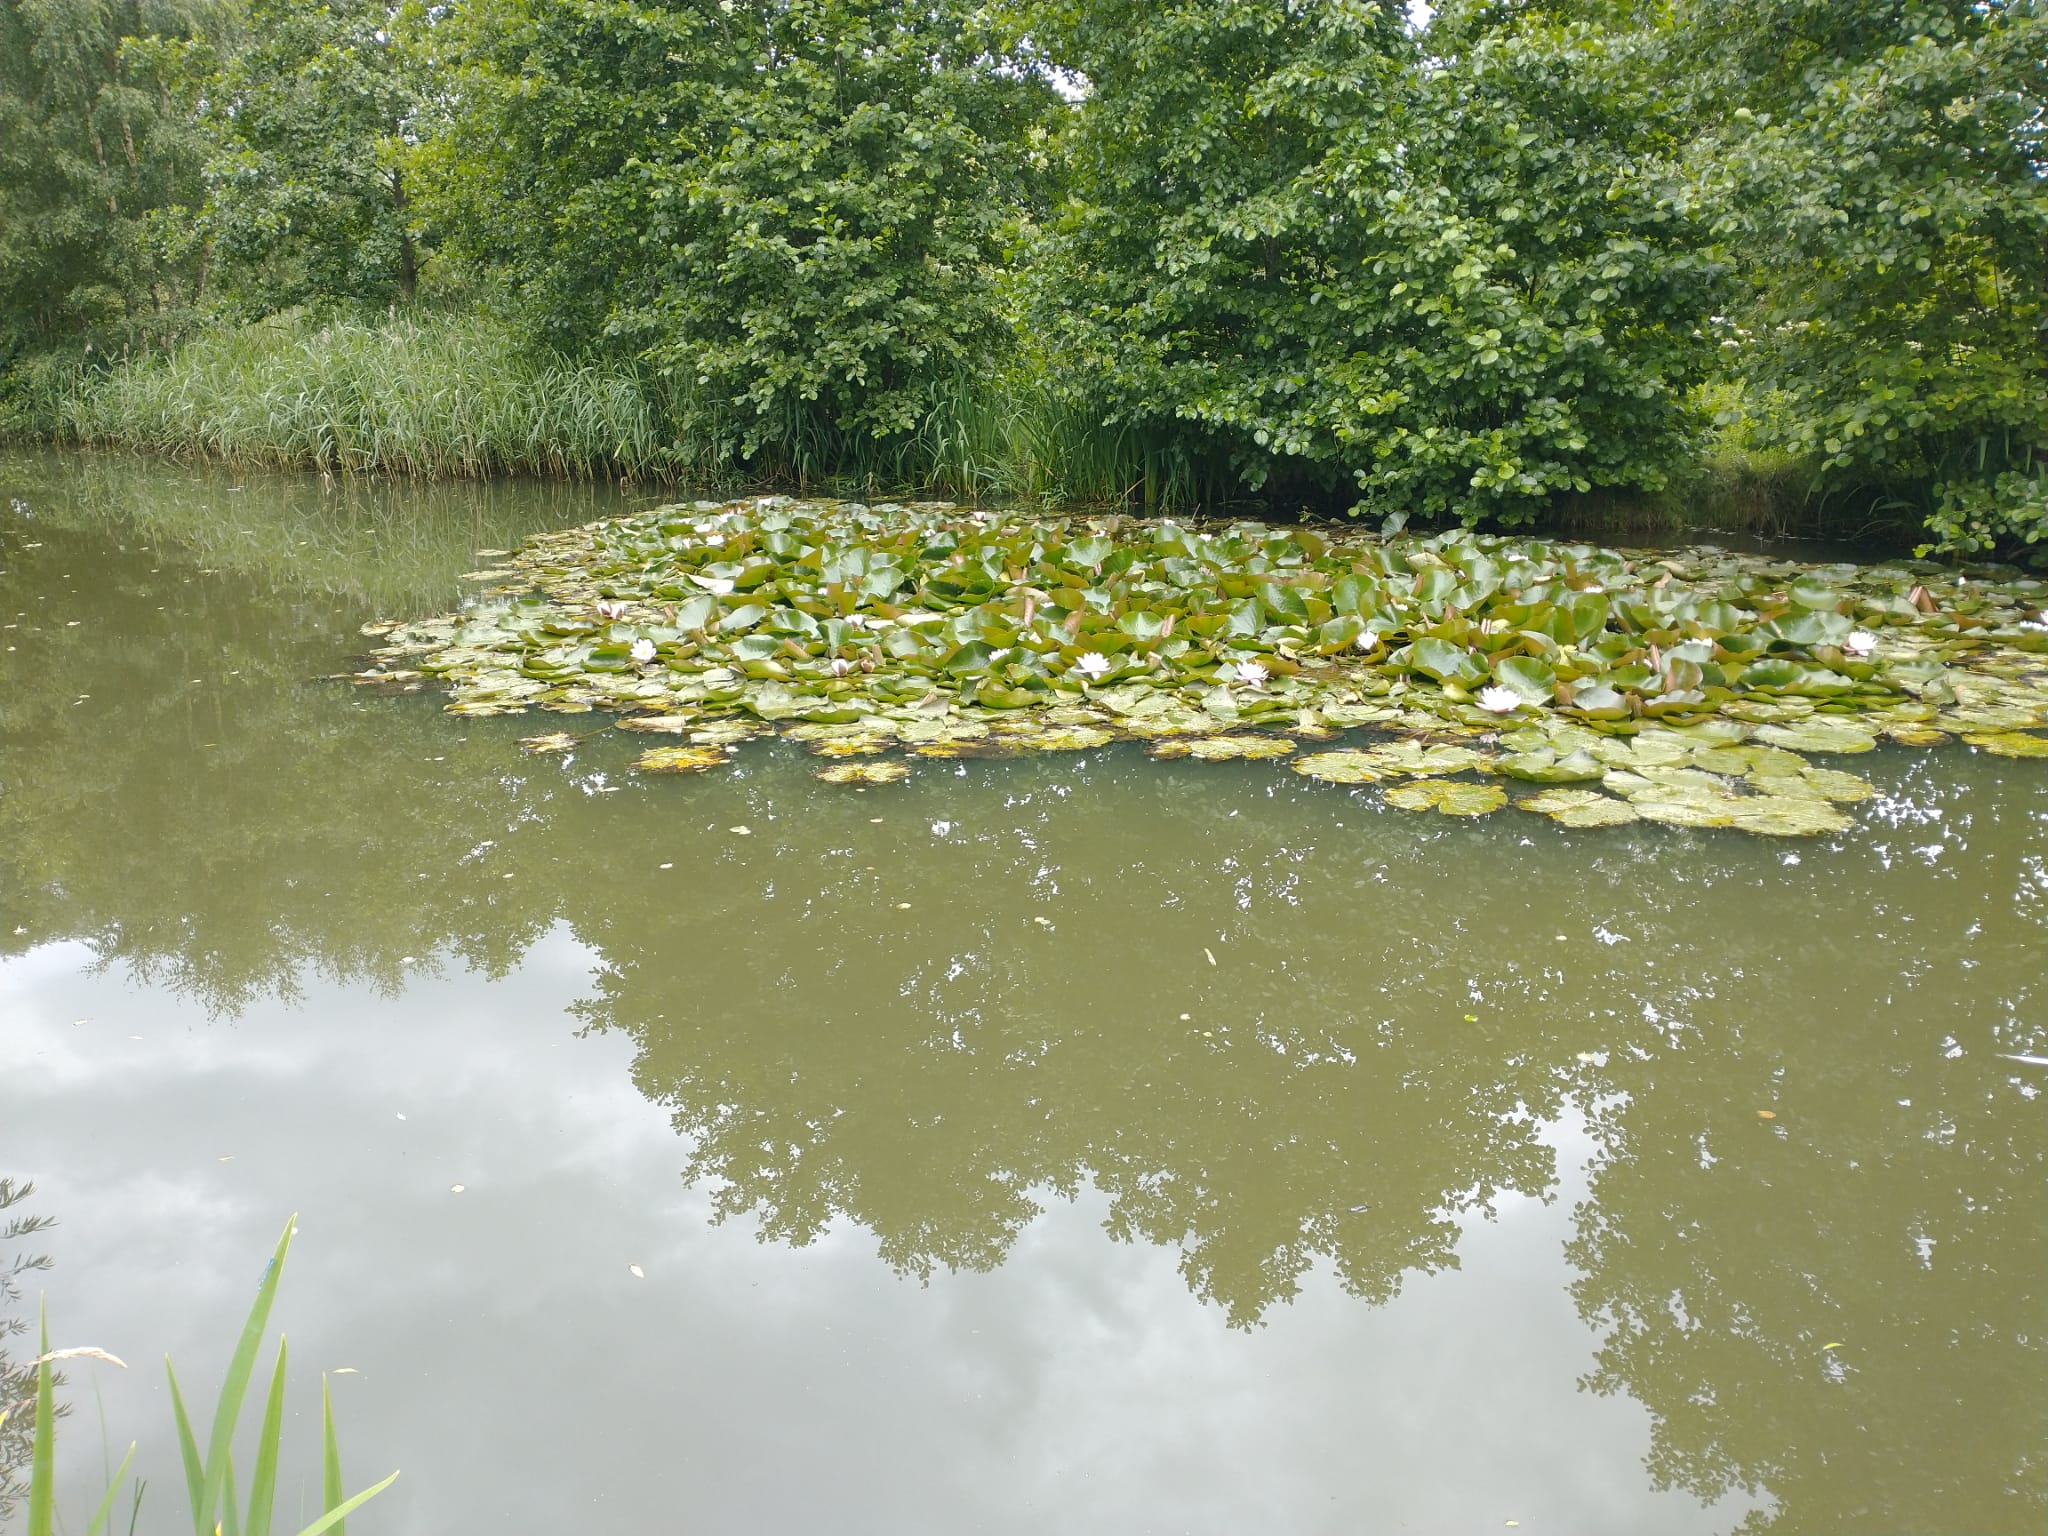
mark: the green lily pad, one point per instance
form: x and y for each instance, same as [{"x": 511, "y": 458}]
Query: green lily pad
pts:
[
  {"x": 1447, "y": 797},
  {"x": 1580, "y": 808},
  {"x": 892, "y": 771},
  {"x": 1818, "y": 736},
  {"x": 1685, "y": 813},
  {"x": 1917, "y": 736},
  {"x": 1216, "y": 749},
  {"x": 1787, "y": 816},
  {"x": 1348, "y": 767},
  {"x": 681, "y": 759},
  {"x": 1545, "y": 766},
  {"x": 1422, "y": 758},
  {"x": 2011, "y": 744},
  {"x": 1814, "y": 784}
]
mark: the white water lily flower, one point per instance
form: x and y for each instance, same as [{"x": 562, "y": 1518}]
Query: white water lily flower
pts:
[
  {"x": 1092, "y": 665},
  {"x": 607, "y": 608},
  {"x": 840, "y": 666},
  {"x": 643, "y": 650},
  {"x": 1368, "y": 641},
  {"x": 1250, "y": 673},
  {"x": 2035, "y": 624},
  {"x": 1499, "y": 701},
  {"x": 1861, "y": 642}
]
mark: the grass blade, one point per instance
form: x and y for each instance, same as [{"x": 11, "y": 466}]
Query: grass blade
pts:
[
  {"x": 236, "y": 1386},
  {"x": 99, "y": 1518},
  {"x": 42, "y": 1491},
  {"x": 330, "y": 1459},
  {"x": 188, "y": 1448},
  {"x": 333, "y": 1518},
  {"x": 263, "y": 1485}
]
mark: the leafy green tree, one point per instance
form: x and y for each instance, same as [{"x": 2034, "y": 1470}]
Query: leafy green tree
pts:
[
  {"x": 1461, "y": 271},
  {"x": 1886, "y": 177},
  {"x": 308, "y": 196},
  {"x": 100, "y": 155},
  {"x": 793, "y": 211}
]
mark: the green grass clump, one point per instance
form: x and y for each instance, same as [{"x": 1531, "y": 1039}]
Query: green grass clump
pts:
[{"x": 447, "y": 397}]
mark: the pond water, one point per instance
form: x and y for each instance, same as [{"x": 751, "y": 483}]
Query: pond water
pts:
[{"x": 1068, "y": 1143}]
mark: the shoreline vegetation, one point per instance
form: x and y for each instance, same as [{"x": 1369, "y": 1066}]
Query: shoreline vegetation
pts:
[
  {"x": 460, "y": 397},
  {"x": 1585, "y": 266}
]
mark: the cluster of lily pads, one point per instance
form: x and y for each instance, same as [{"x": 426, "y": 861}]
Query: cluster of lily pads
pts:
[{"x": 1687, "y": 686}]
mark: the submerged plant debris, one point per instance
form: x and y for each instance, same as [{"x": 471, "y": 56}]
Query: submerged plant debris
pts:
[{"x": 1690, "y": 686}]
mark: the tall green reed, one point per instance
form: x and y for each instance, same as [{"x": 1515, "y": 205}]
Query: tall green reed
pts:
[{"x": 218, "y": 1507}]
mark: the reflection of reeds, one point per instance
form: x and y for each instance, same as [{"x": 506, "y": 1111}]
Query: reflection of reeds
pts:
[{"x": 218, "y": 1507}]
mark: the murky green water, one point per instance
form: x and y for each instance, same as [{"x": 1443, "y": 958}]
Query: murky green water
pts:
[{"x": 1079, "y": 1143}]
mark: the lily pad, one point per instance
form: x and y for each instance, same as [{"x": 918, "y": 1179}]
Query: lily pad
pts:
[
  {"x": 2011, "y": 744},
  {"x": 1545, "y": 766},
  {"x": 553, "y": 741},
  {"x": 1580, "y": 808},
  {"x": 1447, "y": 797},
  {"x": 1818, "y": 736},
  {"x": 1347, "y": 767},
  {"x": 1787, "y": 816},
  {"x": 1217, "y": 749},
  {"x": 1422, "y": 758},
  {"x": 681, "y": 759},
  {"x": 672, "y": 725},
  {"x": 891, "y": 771}
]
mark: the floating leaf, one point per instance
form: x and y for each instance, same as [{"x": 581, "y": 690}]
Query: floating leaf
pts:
[
  {"x": 1786, "y": 816},
  {"x": 1216, "y": 749},
  {"x": 672, "y": 725},
  {"x": 1818, "y": 736},
  {"x": 680, "y": 759},
  {"x": 553, "y": 741},
  {"x": 1448, "y": 797},
  {"x": 889, "y": 772},
  {"x": 1339, "y": 767},
  {"x": 1579, "y": 808},
  {"x": 2011, "y": 744}
]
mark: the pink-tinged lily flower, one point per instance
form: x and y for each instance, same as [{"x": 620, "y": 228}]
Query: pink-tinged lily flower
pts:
[
  {"x": 839, "y": 666},
  {"x": 610, "y": 608}
]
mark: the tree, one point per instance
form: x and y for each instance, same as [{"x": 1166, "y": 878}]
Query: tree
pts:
[
  {"x": 100, "y": 155},
  {"x": 792, "y": 211},
  {"x": 1460, "y": 271},
  {"x": 308, "y": 201}
]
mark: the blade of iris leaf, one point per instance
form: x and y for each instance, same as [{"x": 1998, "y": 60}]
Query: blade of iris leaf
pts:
[
  {"x": 240, "y": 1368},
  {"x": 263, "y": 1482}
]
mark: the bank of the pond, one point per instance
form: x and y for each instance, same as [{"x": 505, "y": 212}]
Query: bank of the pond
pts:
[{"x": 462, "y": 396}]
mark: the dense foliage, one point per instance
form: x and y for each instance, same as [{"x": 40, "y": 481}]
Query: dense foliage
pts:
[{"x": 1462, "y": 269}]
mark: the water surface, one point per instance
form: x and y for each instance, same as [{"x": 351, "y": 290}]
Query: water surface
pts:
[{"x": 1073, "y": 1143}]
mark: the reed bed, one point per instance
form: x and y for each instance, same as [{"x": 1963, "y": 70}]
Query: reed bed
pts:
[{"x": 454, "y": 397}]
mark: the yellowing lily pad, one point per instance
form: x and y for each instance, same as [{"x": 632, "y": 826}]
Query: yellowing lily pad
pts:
[
  {"x": 553, "y": 741},
  {"x": 1579, "y": 808},
  {"x": 670, "y": 725},
  {"x": 1545, "y": 766},
  {"x": 1787, "y": 816},
  {"x": 1217, "y": 749},
  {"x": 890, "y": 772},
  {"x": 2011, "y": 744},
  {"x": 1447, "y": 797},
  {"x": 1818, "y": 736},
  {"x": 1917, "y": 735},
  {"x": 1346, "y": 767},
  {"x": 681, "y": 759},
  {"x": 1422, "y": 758}
]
